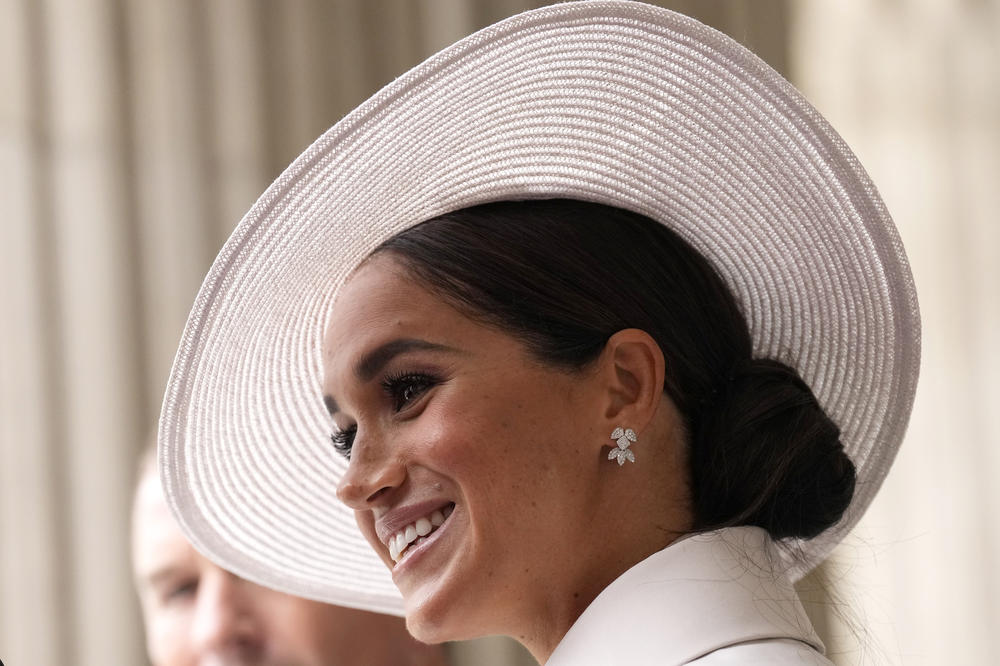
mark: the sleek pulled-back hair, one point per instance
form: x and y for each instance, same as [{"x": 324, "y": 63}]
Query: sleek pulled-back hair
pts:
[{"x": 564, "y": 276}]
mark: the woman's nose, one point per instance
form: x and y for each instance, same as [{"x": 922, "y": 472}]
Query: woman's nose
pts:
[{"x": 372, "y": 474}]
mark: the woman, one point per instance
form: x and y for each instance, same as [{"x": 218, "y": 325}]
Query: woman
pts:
[{"x": 615, "y": 332}]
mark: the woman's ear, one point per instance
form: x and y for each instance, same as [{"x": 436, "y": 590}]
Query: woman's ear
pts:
[{"x": 632, "y": 370}]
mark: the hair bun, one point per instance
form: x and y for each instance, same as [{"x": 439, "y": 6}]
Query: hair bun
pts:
[{"x": 764, "y": 453}]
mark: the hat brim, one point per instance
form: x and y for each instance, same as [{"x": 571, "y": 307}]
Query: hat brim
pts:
[{"x": 614, "y": 102}]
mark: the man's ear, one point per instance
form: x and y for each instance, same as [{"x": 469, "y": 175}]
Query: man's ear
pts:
[{"x": 632, "y": 371}]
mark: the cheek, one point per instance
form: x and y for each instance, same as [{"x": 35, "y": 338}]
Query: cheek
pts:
[
  {"x": 465, "y": 432},
  {"x": 167, "y": 635},
  {"x": 366, "y": 523},
  {"x": 488, "y": 442},
  {"x": 534, "y": 445}
]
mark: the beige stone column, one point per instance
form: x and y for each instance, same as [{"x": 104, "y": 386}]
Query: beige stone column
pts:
[{"x": 914, "y": 87}]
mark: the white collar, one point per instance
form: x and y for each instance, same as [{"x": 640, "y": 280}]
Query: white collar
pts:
[{"x": 699, "y": 594}]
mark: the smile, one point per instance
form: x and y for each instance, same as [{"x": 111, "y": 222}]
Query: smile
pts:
[{"x": 415, "y": 533}]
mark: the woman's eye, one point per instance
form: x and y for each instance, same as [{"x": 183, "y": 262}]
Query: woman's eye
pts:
[
  {"x": 404, "y": 389},
  {"x": 343, "y": 441}
]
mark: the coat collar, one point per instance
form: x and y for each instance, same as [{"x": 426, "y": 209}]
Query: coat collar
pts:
[{"x": 699, "y": 594}]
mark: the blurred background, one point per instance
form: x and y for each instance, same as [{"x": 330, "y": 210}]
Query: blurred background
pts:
[{"x": 135, "y": 133}]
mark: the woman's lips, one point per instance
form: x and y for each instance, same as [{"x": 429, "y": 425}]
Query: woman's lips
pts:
[{"x": 399, "y": 544}]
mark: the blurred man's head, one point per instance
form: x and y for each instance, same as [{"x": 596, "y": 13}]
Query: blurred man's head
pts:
[{"x": 197, "y": 613}]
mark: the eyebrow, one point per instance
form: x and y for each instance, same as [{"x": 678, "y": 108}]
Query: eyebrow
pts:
[
  {"x": 158, "y": 576},
  {"x": 372, "y": 362}
]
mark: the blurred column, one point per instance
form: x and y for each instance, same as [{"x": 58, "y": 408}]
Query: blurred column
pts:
[
  {"x": 914, "y": 87},
  {"x": 98, "y": 395},
  {"x": 75, "y": 353},
  {"x": 238, "y": 141},
  {"x": 30, "y": 555},
  {"x": 168, "y": 133},
  {"x": 443, "y": 22}
]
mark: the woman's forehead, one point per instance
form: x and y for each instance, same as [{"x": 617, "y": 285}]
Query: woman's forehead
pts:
[
  {"x": 379, "y": 293},
  {"x": 383, "y": 310}
]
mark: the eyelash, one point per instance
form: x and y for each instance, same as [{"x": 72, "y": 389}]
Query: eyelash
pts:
[
  {"x": 343, "y": 441},
  {"x": 397, "y": 387}
]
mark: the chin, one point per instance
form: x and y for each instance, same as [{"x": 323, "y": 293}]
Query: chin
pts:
[
  {"x": 427, "y": 632},
  {"x": 429, "y": 623}
]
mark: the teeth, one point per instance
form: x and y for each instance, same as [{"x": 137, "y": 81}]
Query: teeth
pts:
[
  {"x": 415, "y": 532},
  {"x": 423, "y": 527}
]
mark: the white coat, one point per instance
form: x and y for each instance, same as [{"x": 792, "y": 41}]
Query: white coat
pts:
[{"x": 711, "y": 599}]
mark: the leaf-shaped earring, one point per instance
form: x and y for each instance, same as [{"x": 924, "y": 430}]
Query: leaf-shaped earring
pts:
[{"x": 623, "y": 438}]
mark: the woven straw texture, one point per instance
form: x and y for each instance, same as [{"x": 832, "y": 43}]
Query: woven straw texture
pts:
[{"x": 615, "y": 102}]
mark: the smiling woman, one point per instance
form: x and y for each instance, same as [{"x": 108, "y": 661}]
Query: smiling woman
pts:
[
  {"x": 615, "y": 338},
  {"x": 488, "y": 440},
  {"x": 534, "y": 356}
]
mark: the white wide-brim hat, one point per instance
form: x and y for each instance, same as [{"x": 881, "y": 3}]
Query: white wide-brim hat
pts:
[{"x": 615, "y": 102}]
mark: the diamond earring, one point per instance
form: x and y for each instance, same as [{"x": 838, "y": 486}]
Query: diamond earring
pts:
[{"x": 623, "y": 438}]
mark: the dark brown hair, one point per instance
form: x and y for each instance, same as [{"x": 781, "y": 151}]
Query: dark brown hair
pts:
[{"x": 564, "y": 276}]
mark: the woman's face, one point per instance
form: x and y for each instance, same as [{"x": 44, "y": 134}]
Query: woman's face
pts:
[{"x": 467, "y": 455}]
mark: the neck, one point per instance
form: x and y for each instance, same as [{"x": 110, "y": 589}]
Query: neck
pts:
[{"x": 631, "y": 516}]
